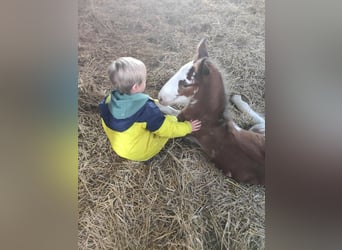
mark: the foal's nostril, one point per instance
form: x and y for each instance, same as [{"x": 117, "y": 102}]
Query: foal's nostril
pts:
[{"x": 160, "y": 99}]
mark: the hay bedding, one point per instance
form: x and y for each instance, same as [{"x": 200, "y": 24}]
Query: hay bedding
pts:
[{"x": 177, "y": 200}]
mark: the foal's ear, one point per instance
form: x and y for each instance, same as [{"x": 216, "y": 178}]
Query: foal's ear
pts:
[
  {"x": 201, "y": 50},
  {"x": 203, "y": 68}
]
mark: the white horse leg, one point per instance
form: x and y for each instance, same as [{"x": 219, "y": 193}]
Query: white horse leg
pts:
[
  {"x": 259, "y": 121},
  {"x": 236, "y": 126}
]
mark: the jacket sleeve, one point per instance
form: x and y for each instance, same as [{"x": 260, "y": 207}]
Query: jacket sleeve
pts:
[
  {"x": 164, "y": 125},
  {"x": 172, "y": 128}
]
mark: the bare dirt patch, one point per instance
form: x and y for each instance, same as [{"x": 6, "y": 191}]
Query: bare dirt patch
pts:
[{"x": 178, "y": 200}]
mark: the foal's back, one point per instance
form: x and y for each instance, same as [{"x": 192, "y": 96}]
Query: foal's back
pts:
[{"x": 240, "y": 154}]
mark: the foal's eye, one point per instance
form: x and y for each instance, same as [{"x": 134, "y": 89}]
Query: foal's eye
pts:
[
  {"x": 182, "y": 83},
  {"x": 185, "y": 83}
]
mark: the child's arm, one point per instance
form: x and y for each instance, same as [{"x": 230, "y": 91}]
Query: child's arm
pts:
[
  {"x": 167, "y": 125},
  {"x": 172, "y": 128},
  {"x": 195, "y": 125}
]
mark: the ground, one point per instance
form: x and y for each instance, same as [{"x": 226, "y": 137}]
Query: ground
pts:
[{"x": 178, "y": 200}]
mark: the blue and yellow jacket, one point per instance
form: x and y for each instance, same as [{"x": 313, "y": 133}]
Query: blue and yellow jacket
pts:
[{"x": 135, "y": 126}]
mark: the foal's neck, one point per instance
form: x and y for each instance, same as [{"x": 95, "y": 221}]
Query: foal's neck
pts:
[{"x": 209, "y": 111}]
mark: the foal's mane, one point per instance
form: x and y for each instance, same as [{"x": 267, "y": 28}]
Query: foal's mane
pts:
[
  {"x": 226, "y": 86},
  {"x": 219, "y": 96}
]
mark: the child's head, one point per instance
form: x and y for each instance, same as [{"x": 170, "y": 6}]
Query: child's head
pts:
[{"x": 127, "y": 74}]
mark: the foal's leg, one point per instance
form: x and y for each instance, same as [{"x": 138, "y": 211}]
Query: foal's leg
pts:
[{"x": 243, "y": 106}]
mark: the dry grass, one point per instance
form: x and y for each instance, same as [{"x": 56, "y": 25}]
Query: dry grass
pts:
[{"x": 178, "y": 200}]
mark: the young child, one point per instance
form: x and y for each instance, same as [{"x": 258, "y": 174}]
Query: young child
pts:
[{"x": 134, "y": 125}]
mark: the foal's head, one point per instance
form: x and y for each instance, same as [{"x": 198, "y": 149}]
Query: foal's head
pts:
[{"x": 197, "y": 85}]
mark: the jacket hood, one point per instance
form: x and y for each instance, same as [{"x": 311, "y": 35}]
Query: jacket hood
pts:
[{"x": 123, "y": 106}]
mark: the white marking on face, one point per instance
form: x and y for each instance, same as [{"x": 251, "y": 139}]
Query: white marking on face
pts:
[
  {"x": 192, "y": 102},
  {"x": 168, "y": 95}
]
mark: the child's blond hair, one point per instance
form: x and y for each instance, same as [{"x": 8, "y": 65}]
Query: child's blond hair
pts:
[{"x": 125, "y": 72}]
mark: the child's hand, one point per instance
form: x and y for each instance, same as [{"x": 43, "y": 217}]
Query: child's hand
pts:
[{"x": 195, "y": 125}]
